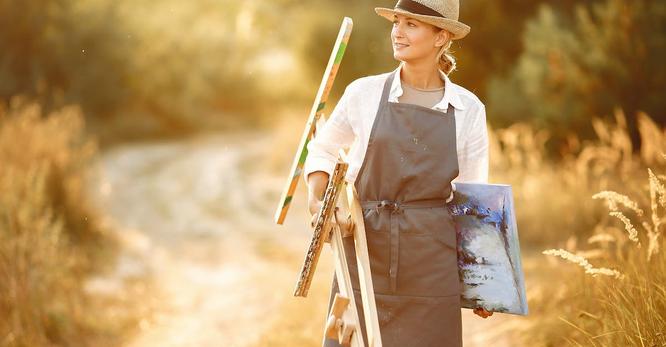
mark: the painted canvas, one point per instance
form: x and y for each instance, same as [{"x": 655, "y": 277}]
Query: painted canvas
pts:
[{"x": 488, "y": 248}]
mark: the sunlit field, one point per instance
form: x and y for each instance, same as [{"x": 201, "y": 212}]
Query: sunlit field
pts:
[
  {"x": 601, "y": 209},
  {"x": 144, "y": 146}
]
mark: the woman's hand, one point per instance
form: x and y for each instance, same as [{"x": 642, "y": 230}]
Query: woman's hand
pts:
[
  {"x": 314, "y": 205},
  {"x": 481, "y": 312},
  {"x": 346, "y": 223},
  {"x": 317, "y": 182}
]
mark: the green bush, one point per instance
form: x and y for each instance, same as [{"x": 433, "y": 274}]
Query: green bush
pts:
[{"x": 607, "y": 54}]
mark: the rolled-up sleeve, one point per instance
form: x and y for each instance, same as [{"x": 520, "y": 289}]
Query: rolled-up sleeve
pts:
[
  {"x": 337, "y": 132},
  {"x": 475, "y": 157}
]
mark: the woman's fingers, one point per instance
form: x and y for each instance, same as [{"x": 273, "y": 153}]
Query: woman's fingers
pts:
[
  {"x": 481, "y": 312},
  {"x": 346, "y": 223},
  {"x": 314, "y": 206}
]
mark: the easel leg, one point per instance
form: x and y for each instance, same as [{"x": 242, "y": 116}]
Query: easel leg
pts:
[
  {"x": 343, "y": 320},
  {"x": 364, "y": 273}
]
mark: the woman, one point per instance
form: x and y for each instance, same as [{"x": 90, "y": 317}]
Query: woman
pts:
[{"x": 412, "y": 133}]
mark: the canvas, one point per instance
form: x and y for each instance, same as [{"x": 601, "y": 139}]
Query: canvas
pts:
[{"x": 488, "y": 248}]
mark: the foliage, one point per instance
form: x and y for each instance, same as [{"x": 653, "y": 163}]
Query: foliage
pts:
[
  {"x": 165, "y": 67},
  {"x": 607, "y": 55},
  {"x": 134, "y": 68},
  {"x": 63, "y": 52}
]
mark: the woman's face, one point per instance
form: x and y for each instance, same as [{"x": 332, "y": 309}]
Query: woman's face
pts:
[{"x": 415, "y": 40}]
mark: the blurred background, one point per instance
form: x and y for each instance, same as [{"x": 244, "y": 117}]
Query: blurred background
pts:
[{"x": 144, "y": 146}]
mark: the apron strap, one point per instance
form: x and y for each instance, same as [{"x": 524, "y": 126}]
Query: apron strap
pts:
[{"x": 387, "y": 87}]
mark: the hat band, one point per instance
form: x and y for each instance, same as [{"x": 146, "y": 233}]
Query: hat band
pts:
[{"x": 417, "y": 8}]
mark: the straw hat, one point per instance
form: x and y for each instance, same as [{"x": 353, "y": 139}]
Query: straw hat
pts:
[{"x": 440, "y": 13}]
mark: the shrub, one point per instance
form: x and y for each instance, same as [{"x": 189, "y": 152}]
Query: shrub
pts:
[{"x": 49, "y": 238}]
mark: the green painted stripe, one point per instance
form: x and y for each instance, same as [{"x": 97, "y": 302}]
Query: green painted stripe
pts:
[
  {"x": 321, "y": 106},
  {"x": 341, "y": 52},
  {"x": 304, "y": 153},
  {"x": 287, "y": 201}
]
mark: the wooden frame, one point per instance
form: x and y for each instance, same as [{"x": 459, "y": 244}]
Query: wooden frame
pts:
[{"x": 315, "y": 114}]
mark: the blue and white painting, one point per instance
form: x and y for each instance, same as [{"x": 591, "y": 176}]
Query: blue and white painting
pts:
[{"x": 488, "y": 249}]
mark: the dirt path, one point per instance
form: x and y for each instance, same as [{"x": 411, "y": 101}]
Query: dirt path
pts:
[{"x": 196, "y": 217}]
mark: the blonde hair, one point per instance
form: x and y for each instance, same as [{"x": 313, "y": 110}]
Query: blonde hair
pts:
[{"x": 445, "y": 60}]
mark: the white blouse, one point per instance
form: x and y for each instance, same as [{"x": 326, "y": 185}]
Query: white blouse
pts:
[{"x": 352, "y": 118}]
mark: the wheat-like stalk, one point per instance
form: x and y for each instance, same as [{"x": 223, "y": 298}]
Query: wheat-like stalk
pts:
[
  {"x": 657, "y": 188},
  {"x": 653, "y": 245},
  {"x": 582, "y": 262},
  {"x": 653, "y": 229},
  {"x": 613, "y": 199},
  {"x": 633, "y": 233},
  {"x": 604, "y": 237},
  {"x": 657, "y": 195}
]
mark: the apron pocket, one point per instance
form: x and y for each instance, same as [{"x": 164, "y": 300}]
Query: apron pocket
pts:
[
  {"x": 379, "y": 253},
  {"x": 419, "y": 321},
  {"x": 427, "y": 267}
]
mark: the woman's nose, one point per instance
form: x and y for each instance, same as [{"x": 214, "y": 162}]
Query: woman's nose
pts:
[{"x": 396, "y": 31}]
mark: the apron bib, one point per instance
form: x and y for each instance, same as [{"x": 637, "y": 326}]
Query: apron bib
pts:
[{"x": 402, "y": 185}]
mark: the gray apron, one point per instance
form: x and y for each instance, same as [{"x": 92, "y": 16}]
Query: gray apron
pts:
[{"x": 403, "y": 184}]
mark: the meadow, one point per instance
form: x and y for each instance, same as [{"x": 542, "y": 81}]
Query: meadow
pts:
[{"x": 591, "y": 238}]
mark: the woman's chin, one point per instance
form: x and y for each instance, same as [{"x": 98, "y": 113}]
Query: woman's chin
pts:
[{"x": 398, "y": 56}]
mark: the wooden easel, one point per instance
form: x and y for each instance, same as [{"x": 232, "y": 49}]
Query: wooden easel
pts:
[
  {"x": 365, "y": 276},
  {"x": 343, "y": 322}
]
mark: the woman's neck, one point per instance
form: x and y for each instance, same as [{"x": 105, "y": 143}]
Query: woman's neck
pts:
[{"x": 424, "y": 76}]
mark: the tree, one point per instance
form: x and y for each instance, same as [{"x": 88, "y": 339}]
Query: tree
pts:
[{"x": 605, "y": 55}]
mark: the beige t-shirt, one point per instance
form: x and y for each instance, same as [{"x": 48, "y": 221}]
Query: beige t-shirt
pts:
[{"x": 423, "y": 97}]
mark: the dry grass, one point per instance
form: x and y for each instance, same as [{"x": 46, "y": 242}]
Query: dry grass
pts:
[
  {"x": 50, "y": 239},
  {"x": 627, "y": 305},
  {"x": 630, "y": 310},
  {"x": 563, "y": 186}
]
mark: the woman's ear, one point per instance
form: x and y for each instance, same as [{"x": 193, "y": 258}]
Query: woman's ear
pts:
[{"x": 442, "y": 38}]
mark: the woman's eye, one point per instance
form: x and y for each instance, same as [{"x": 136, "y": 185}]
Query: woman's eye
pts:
[{"x": 395, "y": 22}]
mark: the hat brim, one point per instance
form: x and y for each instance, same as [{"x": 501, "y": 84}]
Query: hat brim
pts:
[{"x": 458, "y": 29}]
